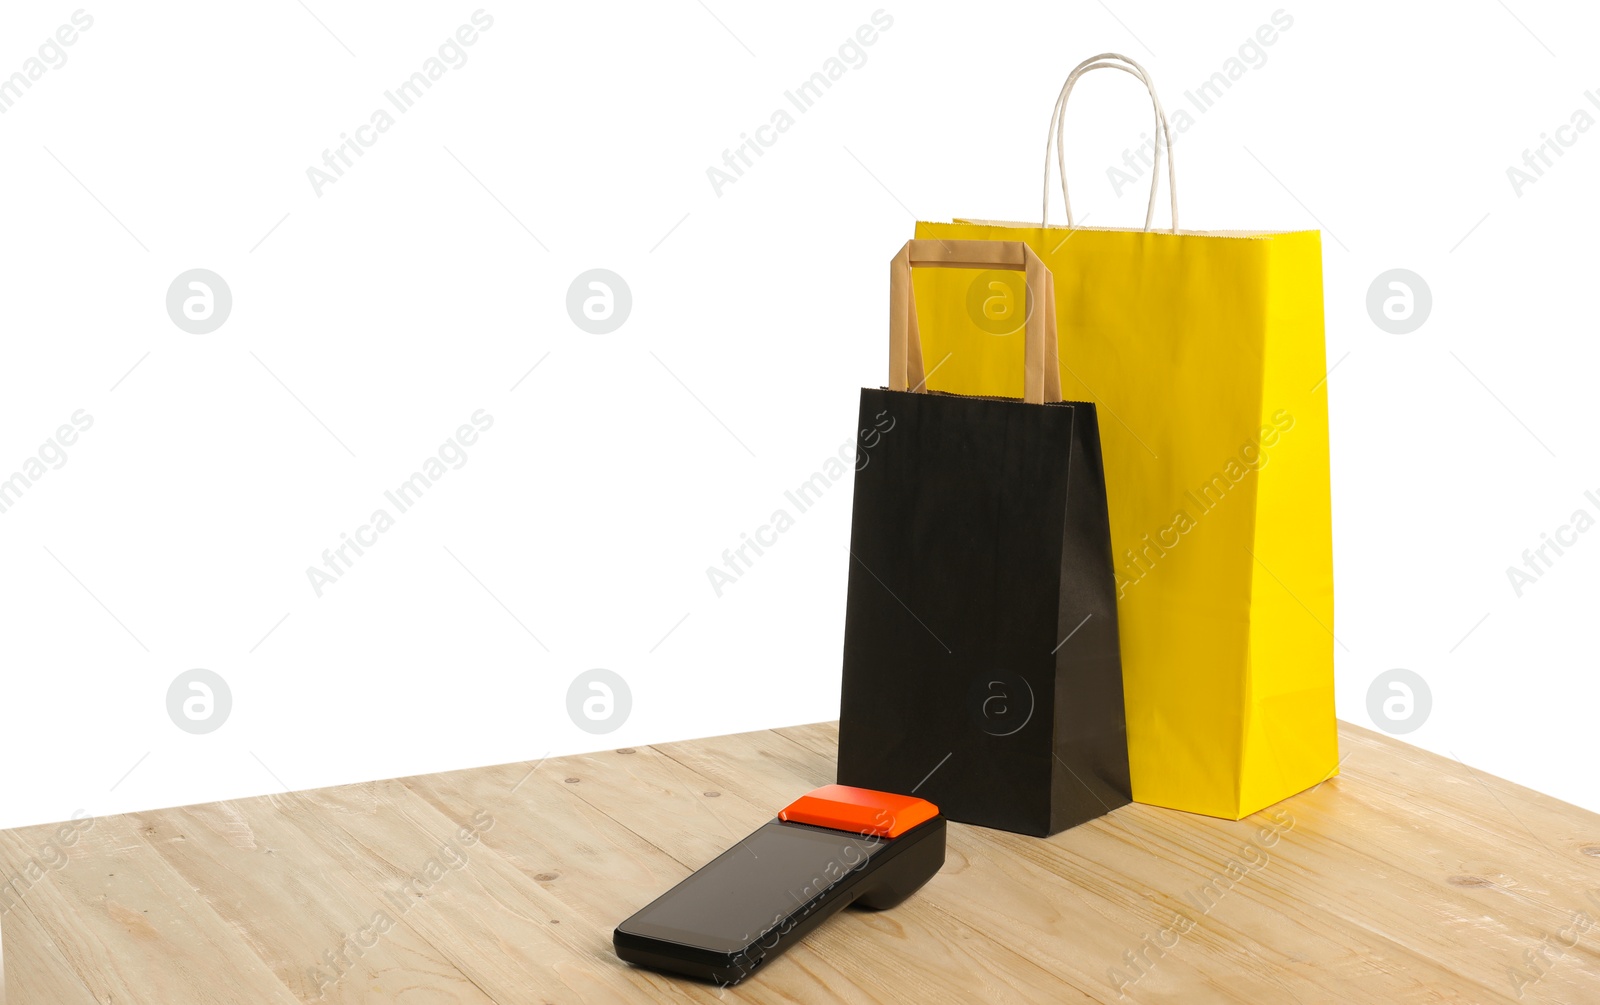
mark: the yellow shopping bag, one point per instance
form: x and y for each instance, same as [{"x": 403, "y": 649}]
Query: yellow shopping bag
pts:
[{"x": 1204, "y": 353}]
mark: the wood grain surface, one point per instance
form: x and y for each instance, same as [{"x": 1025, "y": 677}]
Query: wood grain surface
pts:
[{"x": 1408, "y": 878}]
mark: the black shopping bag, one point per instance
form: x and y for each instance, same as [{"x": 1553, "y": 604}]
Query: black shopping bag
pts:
[{"x": 981, "y": 666}]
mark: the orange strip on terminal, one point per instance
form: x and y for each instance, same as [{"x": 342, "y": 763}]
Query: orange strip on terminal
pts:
[{"x": 860, "y": 811}]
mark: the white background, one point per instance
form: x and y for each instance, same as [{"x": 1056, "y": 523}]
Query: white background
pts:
[{"x": 376, "y": 317}]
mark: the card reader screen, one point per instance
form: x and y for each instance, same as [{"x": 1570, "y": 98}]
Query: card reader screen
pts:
[{"x": 750, "y": 889}]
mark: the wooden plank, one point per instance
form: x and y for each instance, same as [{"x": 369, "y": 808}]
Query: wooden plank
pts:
[
  {"x": 912, "y": 953},
  {"x": 131, "y": 929},
  {"x": 34, "y": 970},
  {"x": 1374, "y": 859},
  {"x": 1079, "y": 929},
  {"x": 598, "y": 869},
  {"x": 1407, "y": 879},
  {"x": 250, "y": 860},
  {"x": 499, "y": 927}
]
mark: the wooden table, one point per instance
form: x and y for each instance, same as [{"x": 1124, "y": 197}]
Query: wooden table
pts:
[{"x": 1408, "y": 878}]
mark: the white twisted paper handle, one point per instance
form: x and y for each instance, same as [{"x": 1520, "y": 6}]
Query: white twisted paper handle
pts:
[{"x": 1109, "y": 61}]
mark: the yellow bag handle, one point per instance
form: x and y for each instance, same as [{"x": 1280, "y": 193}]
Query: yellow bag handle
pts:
[
  {"x": 1041, "y": 373},
  {"x": 1057, "y": 134}
]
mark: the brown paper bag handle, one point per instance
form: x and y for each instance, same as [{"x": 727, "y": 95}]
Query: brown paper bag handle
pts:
[{"x": 1041, "y": 373}]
